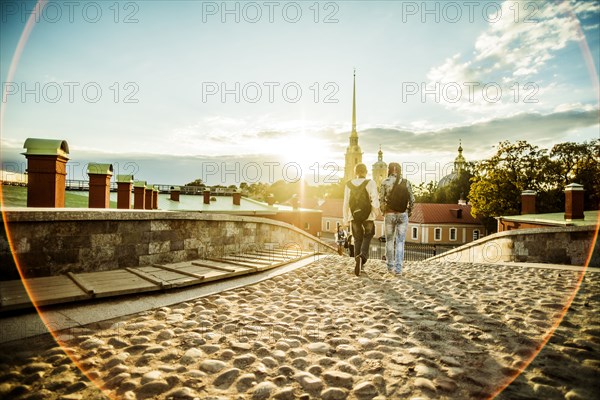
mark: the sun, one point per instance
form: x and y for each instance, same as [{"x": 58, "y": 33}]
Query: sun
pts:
[{"x": 311, "y": 155}]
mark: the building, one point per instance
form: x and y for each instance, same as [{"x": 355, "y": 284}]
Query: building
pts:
[
  {"x": 379, "y": 169},
  {"x": 353, "y": 152},
  {"x": 331, "y": 210},
  {"x": 447, "y": 224},
  {"x": 459, "y": 165}
]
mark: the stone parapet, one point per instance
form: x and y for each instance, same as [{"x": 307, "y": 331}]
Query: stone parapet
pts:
[
  {"x": 562, "y": 245},
  {"x": 48, "y": 242}
]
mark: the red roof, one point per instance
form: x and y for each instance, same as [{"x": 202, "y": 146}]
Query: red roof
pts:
[
  {"x": 332, "y": 208},
  {"x": 431, "y": 213}
]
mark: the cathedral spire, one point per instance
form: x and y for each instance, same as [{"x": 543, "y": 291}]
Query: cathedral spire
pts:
[
  {"x": 353, "y": 152},
  {"x": 354, "y": 106}
]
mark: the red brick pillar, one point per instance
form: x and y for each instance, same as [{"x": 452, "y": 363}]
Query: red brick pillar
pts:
[
  {"x": 574, "y": 201},
  {"x": 100, "y": 174},
  {"x": 175, "y": 190},
  {"x": 46, "y": 172},
  {"x": 149, "y": 198},
  {"x": 237, "y": 198},
  {"x": 155, "y": 199},
  {"x": 124, "y": 185},
  {"x": 139, "y": 195},
  {"x": 528, "y": 202},
  {"x": 206, "y": 195}
]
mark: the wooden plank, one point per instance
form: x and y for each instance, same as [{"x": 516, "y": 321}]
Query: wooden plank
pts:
[
  {"x": 246, "y": 259},
  {"x": 172, "y": 279},
  {"x": 226, "y": 269},
  {"x": 221, "y": 264},
  {"x": 13, "y": 293},
  {"x": 243, "y": 264},
  {"x": 52, "y": 290},
  {"x": 9, "y": 287},
  {"x": 288, "y": 255},
  {"x": 200, "y": 277},
  {"x": 55, "y": 290},
  {"x": 169, "y": 276},
  {"x": 208, "y": 272},
  {"x": 90, "y": 292},
  {"x": 149, "y": 278},
  {"x": 267, "y": 257},
  {"x": 112, "y": 283}
]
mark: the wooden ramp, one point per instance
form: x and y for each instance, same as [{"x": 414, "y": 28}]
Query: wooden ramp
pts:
[{"x": 91, "y": 285}]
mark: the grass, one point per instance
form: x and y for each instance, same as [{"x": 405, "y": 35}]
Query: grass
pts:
[{"x": 16, "y": 196}]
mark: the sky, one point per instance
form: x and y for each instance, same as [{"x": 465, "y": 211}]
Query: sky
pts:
[{"x": 235, "y": 91}]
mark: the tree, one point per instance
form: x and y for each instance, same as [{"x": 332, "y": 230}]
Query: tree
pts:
[
  {"x": 498, "y": 182},
  {"x": 577, "y": 163},
  {"x": 425, "y": 193},
  {"x": 456, "y": 188},
  {"x": 196, "y": 182},
  {"x": 257, "y": 191}
]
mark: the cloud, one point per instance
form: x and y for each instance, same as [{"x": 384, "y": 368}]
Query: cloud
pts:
[
  {"x": 533, "y": 127},
  {"x": 516, "y": 48},
  {"x": 419, "y": 144}
]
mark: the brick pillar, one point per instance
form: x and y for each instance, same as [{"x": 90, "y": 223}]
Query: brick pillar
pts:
[
  {"x": 175, "y": 190},
  {"x": 100, "y": 174},
  {"x": 155, "y": 199},
  {"x": 574, "y": 201},
  {"x": 124, "y": 185},
  {"x": 46, "y": 172},
  {"x": 528, "y": 202},
  {"x": 139, "y": 195},
  {"x": 149, "y": 198},
  {"x": 270, "y": 199},
  {"x": 206, "y": 195},
  {"x": 237, "y": 198}
]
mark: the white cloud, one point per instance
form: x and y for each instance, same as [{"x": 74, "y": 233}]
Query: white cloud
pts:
[{"x": 517, "y": 48}]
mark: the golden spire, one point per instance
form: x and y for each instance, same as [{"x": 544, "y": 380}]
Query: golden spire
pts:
[{"x": 354, "y": 106}]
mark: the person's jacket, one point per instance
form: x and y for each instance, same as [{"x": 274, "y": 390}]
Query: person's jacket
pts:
[
  {"x": 386, "y": 189},
  {"x": 371, "y": 190}
]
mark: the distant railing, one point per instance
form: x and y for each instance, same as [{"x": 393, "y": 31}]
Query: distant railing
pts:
[
  {"x": 84, "y": 185},
  {"x": 412, "y": 251}
]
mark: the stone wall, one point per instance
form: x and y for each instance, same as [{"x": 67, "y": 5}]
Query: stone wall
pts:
[
  {"x": 55, "y": 241},
  {"x": 564, "y": 245}
]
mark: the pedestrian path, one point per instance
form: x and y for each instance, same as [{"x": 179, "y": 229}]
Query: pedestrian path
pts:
[{"x": 17, "y": 294}]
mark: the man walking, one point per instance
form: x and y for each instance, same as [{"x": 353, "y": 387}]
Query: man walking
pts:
[
  {"x": 397, "y": 199},
  {"x": 361, "y": 207}
]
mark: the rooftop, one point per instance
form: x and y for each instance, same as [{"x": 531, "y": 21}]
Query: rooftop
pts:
[
  {"x": 556, "y": 219},
  {"x": 431, "y": 213}
]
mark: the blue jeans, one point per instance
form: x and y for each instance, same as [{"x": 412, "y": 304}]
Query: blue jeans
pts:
[{"x": 395, "y": 235}]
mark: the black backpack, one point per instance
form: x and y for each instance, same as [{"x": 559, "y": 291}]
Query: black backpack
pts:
[
  {"x": 398, "y": 198},
  {"x": 360, "y": 202}
]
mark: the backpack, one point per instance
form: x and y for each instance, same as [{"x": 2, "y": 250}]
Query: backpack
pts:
[
  {"x": 398, "y": 197},
  {"x": 360, "y": 202}
]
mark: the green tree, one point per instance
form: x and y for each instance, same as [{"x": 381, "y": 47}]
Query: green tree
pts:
[
  {"x": 577, "y": 163},
  {"x": 424, "y": 193},
  {"x": 497, "y": 183},
  {"x": 196, "y": 182},
  {"x": 258, "y": 191}
]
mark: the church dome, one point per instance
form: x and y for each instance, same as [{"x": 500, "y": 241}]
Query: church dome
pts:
[
  {"x": 459, "y": 165},
  {"x": 445, "y": 181},
  {"x": 380, "y": 163}
]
